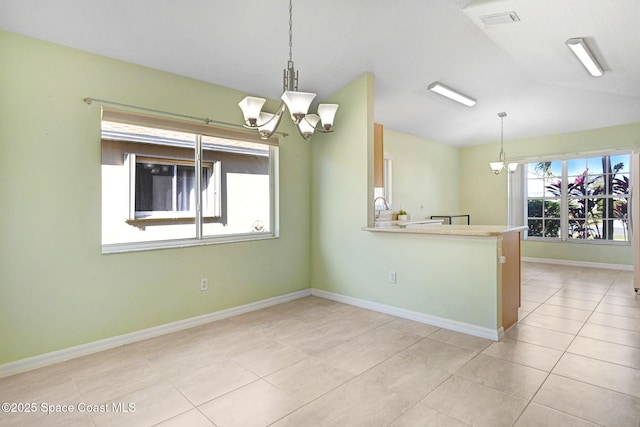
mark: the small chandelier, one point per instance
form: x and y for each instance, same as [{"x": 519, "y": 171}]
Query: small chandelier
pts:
[
  {"x": 497, "y": 167},
  {"x": 298, "y": 104}
]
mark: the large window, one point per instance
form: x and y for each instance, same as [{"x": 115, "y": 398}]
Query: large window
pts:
[
  {"x": 167, "y": 183},
  {"x": 584, "y": 199}
]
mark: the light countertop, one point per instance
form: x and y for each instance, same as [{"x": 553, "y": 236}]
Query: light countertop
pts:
[{"x": 452, "y": 230}]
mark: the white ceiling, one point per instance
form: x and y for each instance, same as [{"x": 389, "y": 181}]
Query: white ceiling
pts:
[{"x": 522, "y": 68}]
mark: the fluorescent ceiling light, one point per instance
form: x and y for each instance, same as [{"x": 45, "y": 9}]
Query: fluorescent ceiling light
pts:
[
  {"x": 580, "y": 49},
  {"x": 441, "y": 89}
]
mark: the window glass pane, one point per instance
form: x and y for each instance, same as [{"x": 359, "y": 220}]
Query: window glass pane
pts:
[
  {"x": 534, "y": 208},
  {"x": 620, "y": 230},
  {"x": 575, "y": 228},
  {"x": 555, "y": 170},
  {"x": 244, "y": 190},
  {"x": 577, "y": 186},
  {"x": 553, "y": 188},
  {"x": 595, "y": 185},
  {"x": 535, "y": 227},
  {"x": 535, "y": 187},
  {"x": 595, "y": 165},
  {"x": 552, "y": 208},
  {"x": 154, "y": 188},
  {"x": 620, "y": 184},
  {"x": 532, "y": 170},
  {"x": 620, "y": 209},
  {"x": 595, "y": 208},
  {"x": 544, "y": 169},
  {"x": 595, "y": 229},
  {"x": 552, "y": 228},
  {"x": 186, "y": 189},
  {"x": 620, "y": 164},
  {"x": 576, "y": 208},
  {"x": 576, "y": 167}
]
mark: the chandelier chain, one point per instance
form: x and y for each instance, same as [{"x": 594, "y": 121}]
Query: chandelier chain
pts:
[
  {"x": 290, "y": 28},
  {"x": 501, "y": 132}
]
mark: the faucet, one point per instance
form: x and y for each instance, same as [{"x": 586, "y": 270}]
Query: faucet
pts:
[{"x": 386, "y": 205}]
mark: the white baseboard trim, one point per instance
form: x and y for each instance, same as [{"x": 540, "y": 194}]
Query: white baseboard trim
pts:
[
  {"x": 42, "y": 360},
  {"x": 441, "y": 322},
  {"x": 570, "y": 263}
]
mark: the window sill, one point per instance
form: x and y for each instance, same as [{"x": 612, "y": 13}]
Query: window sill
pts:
[
  {"x": 184, "y": 243},
  {"x": 578, "y": 241},
  {"x": 144, "y": 222}
]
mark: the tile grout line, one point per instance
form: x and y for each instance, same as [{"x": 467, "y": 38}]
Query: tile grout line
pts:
[
  {"x": 556, "y": 364},
  {"x": 355, "y": 376},
  {"x": 548, "y": 373}
]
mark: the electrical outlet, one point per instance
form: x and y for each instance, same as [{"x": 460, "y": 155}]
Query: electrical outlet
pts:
[
  {"x": 204, "y": 284},
  {"x": 392, "y": 277}
]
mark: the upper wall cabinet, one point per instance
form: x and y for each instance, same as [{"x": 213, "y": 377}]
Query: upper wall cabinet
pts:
[{"x": 378, "y": 155}]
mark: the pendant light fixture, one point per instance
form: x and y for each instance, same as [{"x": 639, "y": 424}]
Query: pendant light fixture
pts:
[
  {"x": 298, "y": 104},
  {"x": 497, "y": 167}
]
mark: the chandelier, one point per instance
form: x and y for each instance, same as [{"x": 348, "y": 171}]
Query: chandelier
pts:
[
  {"x": 298, "y": 104},
  {"x": 497, "y": 167}
]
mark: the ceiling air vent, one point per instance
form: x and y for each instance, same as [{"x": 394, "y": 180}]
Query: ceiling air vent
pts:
[{"x": 500, "y": 18}]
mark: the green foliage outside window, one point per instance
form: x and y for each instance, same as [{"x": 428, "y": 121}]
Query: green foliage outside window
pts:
[{"x": 596, "y": 202}]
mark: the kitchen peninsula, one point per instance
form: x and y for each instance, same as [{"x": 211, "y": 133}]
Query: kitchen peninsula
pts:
[{"x": 490, "y": 254}]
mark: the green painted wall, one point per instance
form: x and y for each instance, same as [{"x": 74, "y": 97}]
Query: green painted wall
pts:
[
  {"x": 356, "y": 263},
  {"x": 425, "y": 175},
  {"x": 56, "y": 288},
  {"x": 478, "y": 185}
]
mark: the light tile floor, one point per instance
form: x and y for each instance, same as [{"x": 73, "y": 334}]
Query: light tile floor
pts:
[{"x": 573, "y": 359}]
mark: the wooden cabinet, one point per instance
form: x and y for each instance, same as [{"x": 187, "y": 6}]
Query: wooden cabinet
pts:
[
  {"x": 378, "y": 155},
  {"x": 510, "y": 278}
]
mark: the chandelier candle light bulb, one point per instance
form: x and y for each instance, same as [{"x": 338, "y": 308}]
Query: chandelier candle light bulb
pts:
[
  {"x": 270, "y": 122},
  {"x": 327, "y": 113},
  {"x": 251, "y": 107},
  {"x": 308, "y": 124},
  {"x": 298, "y": 104}
]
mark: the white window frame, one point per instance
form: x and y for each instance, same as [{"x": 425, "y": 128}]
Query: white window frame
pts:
[
  {"x": 214, "y": 191},
  {"x": 518, "y": 200},
  {"x": 210, "y": 192}
]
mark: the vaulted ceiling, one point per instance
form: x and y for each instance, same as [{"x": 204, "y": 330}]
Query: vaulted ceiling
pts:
[{"x": 522, "y": 68}]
